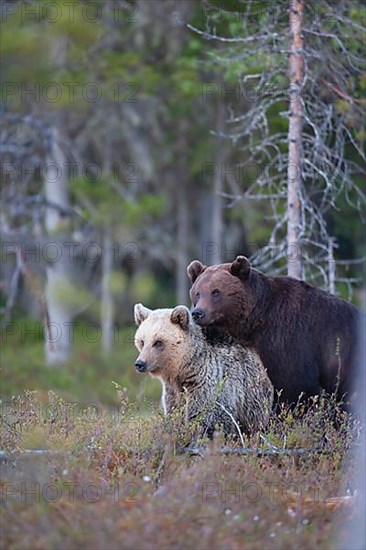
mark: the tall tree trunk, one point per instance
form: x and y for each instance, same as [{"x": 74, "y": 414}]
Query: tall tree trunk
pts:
[
  {"x": 182, "y": 197},
  {"x": 56, "y": 191},
  {"x": 107, "y": 301},
  {"x": 58, "y": 322},
  {"x": 294, "y": 168},
  {"x": 217, "y": 221},
  {"x": 331, "y": 267},
  {"x": 182, "y": 241},
  {"x": 107, "y": 309}
]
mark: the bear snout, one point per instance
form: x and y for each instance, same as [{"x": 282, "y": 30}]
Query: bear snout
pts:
[
  {"x": 198, "y": 314},
  {"x": 141, "y": 366}
]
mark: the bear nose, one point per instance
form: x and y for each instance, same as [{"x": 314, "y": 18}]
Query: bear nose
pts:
[
  {"x": 198, "y": 313},
  {"x": 140, "y": 365}
]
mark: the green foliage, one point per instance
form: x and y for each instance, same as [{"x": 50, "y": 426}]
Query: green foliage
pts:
[
  {"x": 98, "y": 195},
  {"x": 27, "y": 43},
  {"x": 144, "y": 287}
]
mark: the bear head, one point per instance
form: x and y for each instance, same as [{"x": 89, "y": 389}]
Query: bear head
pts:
[
  {"x": 163, "y": 339},
  {"x": 221, "y": 294}
]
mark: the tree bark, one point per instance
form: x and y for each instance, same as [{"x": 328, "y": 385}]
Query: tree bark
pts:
[
  {"x": 182, "y": 209},
  {"x": 58, "y": 319},
  {"x": 331, "y": 267},
  {"x": 182, "y": 241},
  {"x": 107, "y": 301},
  {"x": 217, "y": 219},
  {"x": 56, "y": 190},
  {"x": 294, "y": 168}
]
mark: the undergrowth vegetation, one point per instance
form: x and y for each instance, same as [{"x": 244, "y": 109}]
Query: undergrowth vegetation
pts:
[{"x": 82, "y": 475}]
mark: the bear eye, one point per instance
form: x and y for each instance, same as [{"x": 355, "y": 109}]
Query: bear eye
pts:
[
  {"x": 157, "y": 344},
  {"x": 197, "y": 295},
  {"x": 215, "y": 293},
  {"x": 141, "y": 343}
]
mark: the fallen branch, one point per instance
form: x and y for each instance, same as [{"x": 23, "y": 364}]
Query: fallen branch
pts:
[
  {"x": 199, "y": 451},
  {"x": 234, "y": 422},
  {"x": 193, "y": 451}
]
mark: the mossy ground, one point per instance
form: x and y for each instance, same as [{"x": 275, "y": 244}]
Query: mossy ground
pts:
[
  {"x": 118, "y": 477},
  {"x": 115, "y": 474}
]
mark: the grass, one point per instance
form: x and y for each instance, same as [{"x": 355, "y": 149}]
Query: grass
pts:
[
  {"x": 122, "y": 480},
  {"x": 115, "y": 474}
]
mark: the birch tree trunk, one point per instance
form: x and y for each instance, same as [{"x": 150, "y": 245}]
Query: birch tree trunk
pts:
[
  {"x": 294, "y": 168},
  {"x": 182, "y": 198},
  {"x": 58, "y": 322},
  {"x": 107, "y": 301},
  {"x": 107, "y": 309},
  {"x": 182, "y": 240},
  {"x": 217, "y": 221}
]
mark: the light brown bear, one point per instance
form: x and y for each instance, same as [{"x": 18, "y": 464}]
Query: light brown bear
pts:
[{"x": 216, "y": 384}]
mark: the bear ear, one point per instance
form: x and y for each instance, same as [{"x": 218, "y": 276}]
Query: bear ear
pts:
[
  {"x": 141, "y": 313},
  {"x": 195, "y": 269},
  {"x": 180, "y": 316},
  {"x": 240, "y": 267}
]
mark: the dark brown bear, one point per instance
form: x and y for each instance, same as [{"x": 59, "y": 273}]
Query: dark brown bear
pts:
[{"x": 306, "y": 337}]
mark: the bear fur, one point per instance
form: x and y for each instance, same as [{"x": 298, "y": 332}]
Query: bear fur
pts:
[
  {"x": 305, "y": 337},
  {"x": 214, "y": 383}
]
